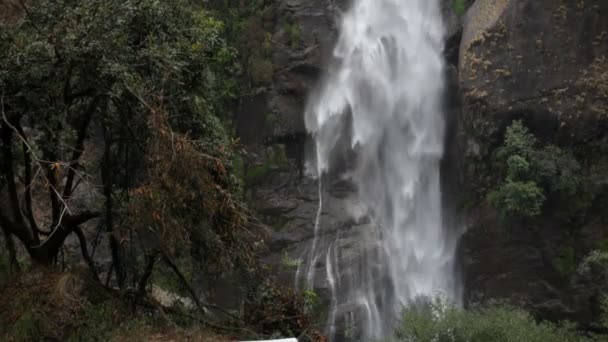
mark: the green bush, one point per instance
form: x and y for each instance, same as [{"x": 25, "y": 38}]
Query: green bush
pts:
[
  {"x": 518, "y": 141},
  {"x": 595, "y": 265},
  {"x": 441, "y": 322},
  {"x": 559, "y": 171},
  {"x": 261, "y": 70},
  {"x": 257, "y": 173},
  {"x": 521, "y": 199},
  {"x": 518, "y": 168},
  {"x": 293, "y": 33},
  {"x": 31, "y": 326},
  {"x": 459, "y": 6},
  {"x": 532, "y": 173},
  {"x": 592, "y": 279},
  {"x": 565, "y": 263},
  {"x": 95, "y": 323}
]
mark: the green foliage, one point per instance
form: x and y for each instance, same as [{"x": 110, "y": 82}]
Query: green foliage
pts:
[
  {"x": 236, "y": 167},
  {"x": 517, "y": 168},
  {"x": 290, "y": 262},
  {"x": 518, "y": 141},
  {"x": 442, "y": 322},
  {"x": 261, "y": 70},
  {"x": 293, "y": 33},
  {"x": 267, "y": 45},
  {"x": 559, "y": 171},
  {"x": 113, "y": 321},
  {"x": 565, "y": 263},
  {"x": 256, "y": 173},
  {"x": 248, "y": 26},
  {"x": 522, "y": 199},
  {"x": 532, "y": 173},
  {"x": 271, "y": 120},
  {"x": 71, "y": 70},
  {"x": 604, "y": 310},
  {"x": 312, "y": 302},
  {"x": 275, "y": 158},
  {"x": 592, "y": 278},
  {"x": 114, "y": 51},
  {"x": 602, "y": 245},
  {"x": 30, "y": 326},
  {"x": 270, "y": 307},
  {"x": 95, "y": 323},
  {"x": 459, "y": 6},
  {"x": 595, "y": 265}
]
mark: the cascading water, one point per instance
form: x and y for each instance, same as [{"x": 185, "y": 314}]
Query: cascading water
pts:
[{"x": 381, "y": 103}]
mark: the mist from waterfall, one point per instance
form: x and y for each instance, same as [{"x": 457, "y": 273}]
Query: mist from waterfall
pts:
[{"x": 377, "y": 123}]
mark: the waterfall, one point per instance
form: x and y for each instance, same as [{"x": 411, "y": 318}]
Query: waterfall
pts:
[{"x": 380, "y": 105}]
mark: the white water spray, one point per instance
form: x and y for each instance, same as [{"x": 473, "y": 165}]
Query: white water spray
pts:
[{"x": 382, "y": 104}]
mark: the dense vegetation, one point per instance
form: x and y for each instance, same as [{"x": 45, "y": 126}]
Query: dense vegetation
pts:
[
  {"x": 533, "y": 172},
  {"x": 441, "y": 321},
  {"x": 116, "y": 129}
]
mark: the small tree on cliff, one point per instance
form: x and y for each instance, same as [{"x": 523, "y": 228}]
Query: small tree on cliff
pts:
[{"x": 531, "y": 173}]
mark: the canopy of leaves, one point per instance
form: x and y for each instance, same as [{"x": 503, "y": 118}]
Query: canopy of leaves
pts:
[
  {"x": 65, "y": 53},
  {"x": 522, "y": 199},
  {"x": 442, "y": 322},
  {"x": 532, "y": 173},
  {"x": 76, "y": 80}
]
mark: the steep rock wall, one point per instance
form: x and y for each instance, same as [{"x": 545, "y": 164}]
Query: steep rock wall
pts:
[
  {"x": 540, "y": 61},
  {"x": 544, "y": 62}
]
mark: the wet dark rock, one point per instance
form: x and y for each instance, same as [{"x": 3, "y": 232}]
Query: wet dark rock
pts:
[{"x": 544, "y": 62}]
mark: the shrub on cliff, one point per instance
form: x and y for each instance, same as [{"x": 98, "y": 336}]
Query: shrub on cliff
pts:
[
  {"x": 592, "y": 283},
  {"x": 532, "y": 173},
  {"x": 522, "y": 199}
]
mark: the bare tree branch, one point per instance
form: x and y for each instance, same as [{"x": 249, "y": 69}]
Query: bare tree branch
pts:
[
  {"x": 85, "y": 252},
  {"x": 77, "y": 153},
  {"x": 184, "y": 281},
  {"x": 7, "y": 140},
  {"x": 27, "y": 159}
]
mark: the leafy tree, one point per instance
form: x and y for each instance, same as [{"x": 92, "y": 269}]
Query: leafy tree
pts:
[
  {"x": 76, "y": 82},
  {"x": 523, "y": 199},
  {"x": 518, "y": 141},
  {"x": 532, "y": 173},
  {"x": 558, "y": 171}
]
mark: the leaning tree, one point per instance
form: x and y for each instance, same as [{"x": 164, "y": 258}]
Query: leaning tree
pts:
[{"x": 83, "y": 84}]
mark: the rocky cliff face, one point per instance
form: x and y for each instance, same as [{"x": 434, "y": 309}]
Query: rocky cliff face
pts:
[
  {"x": 271, "y": 126},
  {"x": 542, "y": 61}
]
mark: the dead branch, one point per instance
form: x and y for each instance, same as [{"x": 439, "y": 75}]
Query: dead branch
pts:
[
  {"x": 27, "y": 160},
  {"x": 79, "y": 148},
  {"x": 85, "y": 252}
]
